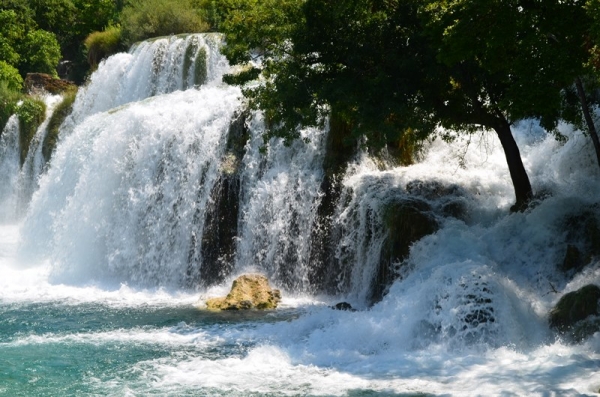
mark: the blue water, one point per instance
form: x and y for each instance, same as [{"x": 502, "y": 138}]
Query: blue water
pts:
[{"x": 53, "y": 349}]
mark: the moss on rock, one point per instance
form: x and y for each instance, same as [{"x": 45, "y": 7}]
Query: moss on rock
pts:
[
  {"x": 249, "y": 291},
  {"x": 61, "y": 112},
  {"x": 31, "y": 113},
  {"x": 575, "y": 307}
]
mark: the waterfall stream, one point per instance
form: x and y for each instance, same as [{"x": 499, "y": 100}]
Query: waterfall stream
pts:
[{"x": 162, "y": 189}]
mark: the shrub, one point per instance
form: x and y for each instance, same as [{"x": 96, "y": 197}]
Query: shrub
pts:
[
  {"x": 9, "y": 97},
  {"x": 10, "y": 76},
  {"x": 61, "y": 112},
  {"x": 143, "y": 19},
  {"x": 100, "y": 45},
  {"x": 31, "y": 114}
]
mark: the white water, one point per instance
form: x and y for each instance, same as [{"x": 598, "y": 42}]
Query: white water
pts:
[
  {"x": 18, "y": 182},
  {"x": 280, "y": 196},
  {"x": 10, "y": 165},
  {"x": 112, "y": 220}
]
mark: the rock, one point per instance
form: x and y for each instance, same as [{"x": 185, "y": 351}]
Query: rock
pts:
[
  {"x": 41, "y": 81},
  {"x": 583, "y": 241},
  {"x": 406, "y": 221},
  {"x": 575, "y": 307},
  {"x": 249, "y": 291},
  {"x": 343, "y": 306}
]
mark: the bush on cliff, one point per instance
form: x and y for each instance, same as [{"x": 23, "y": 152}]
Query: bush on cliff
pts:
[
  {"x": 100, "y": 45},
  {"x": 143, "y": 19},
  {"x": 8, "y": 100},
  {"x": 61, "y": 112},
  {"x": 31, "y": 112}
]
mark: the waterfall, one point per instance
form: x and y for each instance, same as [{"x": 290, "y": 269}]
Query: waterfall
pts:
[
  {"x": 140, "y": 171},
  {"x": 34, "y": 163},
  {"x": 162, "y": 189},
  {"x": 20, "y": 181},
  {"x": 162, "y": 179},
  {"x": 280, "y": 196},
  {"x": 153, "y": 67},
  {"x": 9, "y": 169}
]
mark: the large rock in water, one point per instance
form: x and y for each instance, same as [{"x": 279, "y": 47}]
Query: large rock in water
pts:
[
  {"x": 576, "y": 312},
  {"x": 249, "y": 291}
]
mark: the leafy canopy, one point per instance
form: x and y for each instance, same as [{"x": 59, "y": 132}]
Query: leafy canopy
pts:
[{"x": 143, "y": 19}]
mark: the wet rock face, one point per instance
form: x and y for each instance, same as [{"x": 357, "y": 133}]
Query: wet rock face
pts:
[
  {"x": 406, "y": 221},
  {"x": 41, "y": 81},
  {"x": 250, "y": 291},
  {"x": 583, "y": 242},
  {"x": 575, "y": 313}
]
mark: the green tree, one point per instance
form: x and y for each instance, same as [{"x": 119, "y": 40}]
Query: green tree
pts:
[
  {"x": 40, "y": 53},
  {"x": 391, "y": 67},
  {"x": 11, "y": 32},
  {"x": 25, "y": 47}
]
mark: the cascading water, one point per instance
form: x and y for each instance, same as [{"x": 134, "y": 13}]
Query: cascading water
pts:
[
  {"x": 160, "y": 186},
  {"x": 34, "y": 163},
  {"x": 9, "y": 165},
  {"x": 20, "y": 181},
  {"x": 280, "y": 196}
]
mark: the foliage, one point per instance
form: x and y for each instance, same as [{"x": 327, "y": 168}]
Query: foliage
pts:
[
  {"x": 59, "y": 115},
  {"x": 143, "y": 19},
  {"x": 508, "y": 56},
  {"x": 40, "y": 53},
  {"x": 26, "y": 48},
  {"x": 70, "y": 21},
  {"x": 100, "y": 45},
  {"x": 10, "y": 33},
  {"x": 9, "y": 97},
  {"x": 396, "y": 70},
  {"x": 31, "y": 113},
  {"x": 10, "y": 76}
]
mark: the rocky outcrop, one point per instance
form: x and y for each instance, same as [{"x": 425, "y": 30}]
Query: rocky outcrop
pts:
[
  {"x": 575, "y": 314},
  {"x": 249, "y": 291},
  {"x": 583, "y": 242},
  {"x": 35, "y": 82},
  {"x": 406, "y": 221},
  {"x": 213, "y": 254}
]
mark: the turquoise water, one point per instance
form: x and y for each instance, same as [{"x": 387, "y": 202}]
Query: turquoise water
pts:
[
  {"x": 57, "y": 349},
  {"x": 53, "y": 349}
]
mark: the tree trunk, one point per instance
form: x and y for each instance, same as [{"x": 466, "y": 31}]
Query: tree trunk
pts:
[
  {"x": 516, "y": 168},
  {"x": 588, "y": 118}
]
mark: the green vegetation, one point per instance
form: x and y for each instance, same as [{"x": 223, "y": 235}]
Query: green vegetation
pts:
[
  {"x": 100, "y": 45},
  {"x": 32, "y": 113},
  {"x": 9, "y": 97},
  {"x": 143, "y": 19},
  {"x": 10, "y": 76},
  {"x": 59, "y": 115},
  {"x": 24, "y": 47},
  {"x": 396, "y": 70}
]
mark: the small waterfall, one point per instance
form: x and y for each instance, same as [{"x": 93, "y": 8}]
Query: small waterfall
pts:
[
  {"x": 34, "y": 163},
  {"x": 280, "y": 196},
  {"x": 20, "y": 181},
  {"x": 9, "y": 169}
]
